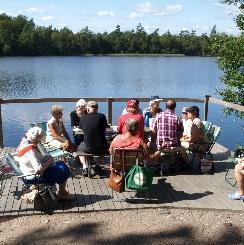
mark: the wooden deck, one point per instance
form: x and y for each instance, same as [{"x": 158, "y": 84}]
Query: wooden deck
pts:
[{"x": 180, "y": 191}]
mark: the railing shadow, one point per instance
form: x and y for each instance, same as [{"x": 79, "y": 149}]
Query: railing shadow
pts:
[{"x": 163, "y": 193}]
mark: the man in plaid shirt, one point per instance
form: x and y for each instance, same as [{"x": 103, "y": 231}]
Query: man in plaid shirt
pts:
[{"x": 168, "y": 127}]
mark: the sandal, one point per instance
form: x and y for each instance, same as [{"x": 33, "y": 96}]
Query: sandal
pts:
[{"x": 236, "y": 196}]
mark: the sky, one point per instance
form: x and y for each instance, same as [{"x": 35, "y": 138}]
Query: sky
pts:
[{"x": 105, "y": 15}]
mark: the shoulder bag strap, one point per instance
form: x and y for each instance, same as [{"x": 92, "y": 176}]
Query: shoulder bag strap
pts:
[{"x": 123, "y": 162}]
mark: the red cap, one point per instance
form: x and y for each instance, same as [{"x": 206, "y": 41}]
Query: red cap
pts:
[{"x": 132, "y": 104}]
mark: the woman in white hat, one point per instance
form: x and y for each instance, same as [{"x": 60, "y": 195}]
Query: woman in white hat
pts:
[{"x": 33, "y": 162}]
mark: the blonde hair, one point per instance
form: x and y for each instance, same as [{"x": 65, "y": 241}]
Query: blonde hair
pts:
[{"x": 56, "y": 109}]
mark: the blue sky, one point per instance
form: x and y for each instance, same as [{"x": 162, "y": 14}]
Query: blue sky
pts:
[{"x": 104, "y": 15}]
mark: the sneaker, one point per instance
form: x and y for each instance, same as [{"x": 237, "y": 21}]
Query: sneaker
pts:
[
  {"x": 85, "y": 172},
  {"x": 99, "y": 170},
  {"x": 236, "y": 196}
]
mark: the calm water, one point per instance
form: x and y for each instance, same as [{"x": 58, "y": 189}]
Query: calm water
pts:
[{"x": 40, "y": 77}]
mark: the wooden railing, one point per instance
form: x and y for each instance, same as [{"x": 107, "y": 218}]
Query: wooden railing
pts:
[{"x": 208, "y": 99}]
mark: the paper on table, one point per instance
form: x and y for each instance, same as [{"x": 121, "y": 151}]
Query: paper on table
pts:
[{"x": 115, "y": 128}]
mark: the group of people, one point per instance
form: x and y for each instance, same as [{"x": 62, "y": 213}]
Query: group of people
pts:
[{"x": 168, "y": 131}]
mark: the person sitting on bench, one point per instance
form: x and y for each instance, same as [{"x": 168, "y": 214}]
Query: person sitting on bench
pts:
[
  {"x": 130, "y": 140},
  {"x": 94, "y": 125},
  {"x": 33, "y": 162}
]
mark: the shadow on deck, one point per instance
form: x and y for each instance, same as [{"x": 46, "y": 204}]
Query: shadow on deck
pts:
[{"x": 184, "y": 190}]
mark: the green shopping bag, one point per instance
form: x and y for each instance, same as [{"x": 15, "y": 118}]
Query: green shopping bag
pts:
[{"x": 139, "y": 178}]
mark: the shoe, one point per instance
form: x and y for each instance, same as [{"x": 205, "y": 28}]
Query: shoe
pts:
[
  {"x": 66, "y": 197},
  {"x": 85, "y": 172},
  {"x": 99, "y": 170},
  {"x": 236, "y": 196}
]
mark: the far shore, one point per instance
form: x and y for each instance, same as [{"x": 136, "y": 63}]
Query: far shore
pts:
[{"x": 113, "y": 55}]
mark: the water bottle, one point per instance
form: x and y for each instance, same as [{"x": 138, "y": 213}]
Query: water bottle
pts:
[{"x": 146, "y": 119}]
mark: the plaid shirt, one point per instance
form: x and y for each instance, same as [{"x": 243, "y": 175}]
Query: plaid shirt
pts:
[{"x": 168, "y": 127}]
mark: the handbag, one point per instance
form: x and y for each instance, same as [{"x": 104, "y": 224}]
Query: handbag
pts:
[
  {"x": 139, "y": 178},
  {"x": 116, "y": 179},
  {"x": 206, "y": 164},
  {"x": 45, "y": 200}
]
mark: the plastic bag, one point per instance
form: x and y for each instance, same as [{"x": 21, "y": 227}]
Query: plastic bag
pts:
[{"x": 139, "y": 178}]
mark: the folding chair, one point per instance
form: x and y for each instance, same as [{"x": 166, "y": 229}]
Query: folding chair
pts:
[
  {"x": 207, "y": 125},
  {"x": 5, "y": 173},
  {"x": 15, "y": 167},
  {"x": 128, "y": 156},
  {"x": 45, "y": 203},
  {"x": 235, "y": 156},
  {"x": 56, "y": 153},
  {"x": 213, "y": 135}
]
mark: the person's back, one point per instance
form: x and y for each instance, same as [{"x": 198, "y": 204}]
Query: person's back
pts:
[
  {"x": 168, "y": 126},
  {"x": 125, "y": 141},
  {"x": 94, "y": 125}
]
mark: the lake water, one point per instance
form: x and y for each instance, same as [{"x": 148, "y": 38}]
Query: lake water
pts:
[{"x": 42, "y": 77}]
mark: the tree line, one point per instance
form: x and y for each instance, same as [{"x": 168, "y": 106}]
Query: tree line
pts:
[{"x": 21, "y": 36}]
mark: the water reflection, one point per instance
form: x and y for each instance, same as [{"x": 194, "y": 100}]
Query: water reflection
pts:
[{"x": 41, "y": 77}]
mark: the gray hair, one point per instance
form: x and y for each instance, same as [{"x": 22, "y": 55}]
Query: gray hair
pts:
[
  {"x": 81, "y": 103},
  {"x": 33, "y": 133},
  {"x": 132, "y": 126},
  {"x": 56, "y": 109}
]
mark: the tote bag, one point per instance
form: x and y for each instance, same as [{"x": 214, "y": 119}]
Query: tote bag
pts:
[{"x": 139, "y": 178}]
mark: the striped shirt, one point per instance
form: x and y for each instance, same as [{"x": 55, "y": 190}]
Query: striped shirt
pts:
[{"x": 168, "y": 127}]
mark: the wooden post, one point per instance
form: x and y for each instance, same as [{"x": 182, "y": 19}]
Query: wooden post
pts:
[
  {"x": 206, "y": 107},
  {"x": 1, "y": 125},
  {"x": 110, "y": 110}
]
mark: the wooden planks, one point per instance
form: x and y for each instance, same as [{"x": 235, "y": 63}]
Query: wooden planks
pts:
[{"x": 179, "y": 191}]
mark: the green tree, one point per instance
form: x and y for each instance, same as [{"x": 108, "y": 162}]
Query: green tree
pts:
[{"x": 230, "y": 58}]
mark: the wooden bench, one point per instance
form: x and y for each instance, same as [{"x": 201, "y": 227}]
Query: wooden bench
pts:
[{"x": 90, "y": 159}]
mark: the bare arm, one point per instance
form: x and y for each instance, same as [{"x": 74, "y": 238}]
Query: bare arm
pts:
[
  {"x": 150, "y": 155},
  {"x": 65, "y": 133},
  {"x": 54, "y": 133}
]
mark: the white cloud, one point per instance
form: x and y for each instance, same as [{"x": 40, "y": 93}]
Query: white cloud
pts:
[
  {"x": 170, "y": 10},
  {"x": 103, "y": 13},
  {"x": 34, "y": 10},
  {"x": 146, "y": 7},
  {"x": 133, "y": 15},
  {"x": 48, "y": 18},
  {"x": 229, "y": 30},
  {"x": 7, "y": 13}
]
